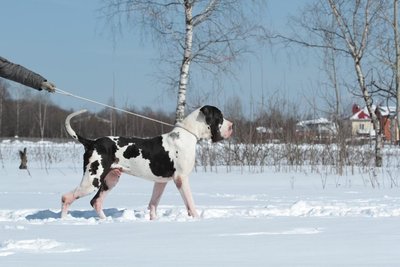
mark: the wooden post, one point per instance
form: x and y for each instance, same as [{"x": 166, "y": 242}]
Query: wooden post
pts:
[{"x": 24, "y": 159}]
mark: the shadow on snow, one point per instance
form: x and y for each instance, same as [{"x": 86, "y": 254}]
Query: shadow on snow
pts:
[{"x": 78, "y": 214}]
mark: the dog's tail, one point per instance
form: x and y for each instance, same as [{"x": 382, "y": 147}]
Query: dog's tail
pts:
[{"x": 72, "y": 133}]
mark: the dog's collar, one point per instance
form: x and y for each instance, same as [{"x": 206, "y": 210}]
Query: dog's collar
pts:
[{"x": 178, "y": 125}]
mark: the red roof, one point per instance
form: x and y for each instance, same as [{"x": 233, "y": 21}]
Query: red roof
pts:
[{"x": 362, "y": 115}]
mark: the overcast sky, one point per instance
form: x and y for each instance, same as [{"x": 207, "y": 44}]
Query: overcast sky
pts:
[{"x": 67, "y": 43}]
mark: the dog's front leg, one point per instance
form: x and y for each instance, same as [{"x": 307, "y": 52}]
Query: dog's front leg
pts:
[
  {"x": 158, "y": 190},
  {"x": 182, "y": 183}
]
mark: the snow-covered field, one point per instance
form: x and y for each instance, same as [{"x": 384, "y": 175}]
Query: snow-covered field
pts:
[{"x": 247, "y": 219}]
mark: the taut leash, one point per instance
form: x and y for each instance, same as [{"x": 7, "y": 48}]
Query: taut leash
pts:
[{"x": 62, "y": 92}]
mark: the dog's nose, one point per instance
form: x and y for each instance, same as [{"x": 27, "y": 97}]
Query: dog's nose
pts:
[{"x": 229, "y": 130}]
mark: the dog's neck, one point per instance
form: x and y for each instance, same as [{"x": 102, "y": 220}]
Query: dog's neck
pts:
[{"x": 180, "y": 125}]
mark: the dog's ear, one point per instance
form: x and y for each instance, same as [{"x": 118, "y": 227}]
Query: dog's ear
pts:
[
  {"x": 210, "y": 113},
  {"x": 207, "y": 112},
  {"x": 213, "y": 117}
]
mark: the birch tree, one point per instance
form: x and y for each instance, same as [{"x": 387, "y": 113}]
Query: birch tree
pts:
[
  {"x": 209, "y": 33},
  {"x": 355, "y": 37}
]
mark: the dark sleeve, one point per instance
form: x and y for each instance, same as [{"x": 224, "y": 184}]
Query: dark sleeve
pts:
[{"x": 20, "y": 74}]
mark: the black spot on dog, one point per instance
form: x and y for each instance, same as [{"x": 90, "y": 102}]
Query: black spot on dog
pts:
[
  {"x": 105, "y": 146},
  {"x": 86, "y": 157},
  {"x": 160, "y": 162},
  {"x": 96, "y": 183},
  {"x": 214, "y": 119},
  {"x": 131, "y": 152},
  {"x": 94, "y": 167},
  {"x": 124, "y": 141}
]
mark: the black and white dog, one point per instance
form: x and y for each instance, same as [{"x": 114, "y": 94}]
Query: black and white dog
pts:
[{"x": 170, "y": 156}]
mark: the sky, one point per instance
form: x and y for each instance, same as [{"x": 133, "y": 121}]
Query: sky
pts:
[{"x": 68, "y": 43}]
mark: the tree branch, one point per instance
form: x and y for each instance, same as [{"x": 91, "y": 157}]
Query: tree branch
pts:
[
  {"x": 206, "y": 13},
  {"x": 306, "y": 44}
]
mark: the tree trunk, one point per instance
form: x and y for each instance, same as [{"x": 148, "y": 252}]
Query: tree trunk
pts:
[
  {"x": 42, "y": 117},
  {"x": 397, "y": 64},
  {"x": 1, "y": 110},
  {"x": 17, "y": 120},
  {"x": 374, "y": 118},
  {"x": 24, "y": 159},
  {"x": 357, "y": 53},
  {"x": 336, "y": 87},
  {"x": 187, "y": 58}
]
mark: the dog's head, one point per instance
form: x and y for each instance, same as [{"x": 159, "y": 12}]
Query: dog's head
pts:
[{"x": 217, "y": 128}]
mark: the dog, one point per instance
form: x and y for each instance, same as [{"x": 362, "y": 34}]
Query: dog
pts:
[{"x": 160, "y": 159}]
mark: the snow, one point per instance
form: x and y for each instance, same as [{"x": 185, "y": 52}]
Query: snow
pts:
[{"x": 248, "y": 218}]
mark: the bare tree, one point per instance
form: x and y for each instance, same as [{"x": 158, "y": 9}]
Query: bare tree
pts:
[
  {"x": 40, "y": 107},
  {"x": 348, "y": 35},
  {"x": 397, "y": 60},
  {"x": 330, "y": 67},
  {"x": 3, "y": 96},
  {"x": 356, "y": 38},
  {"x": 387, "y": 76},
  {"x": 209, "y": 33}
]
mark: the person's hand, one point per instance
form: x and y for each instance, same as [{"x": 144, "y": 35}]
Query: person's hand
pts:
[{"x": 48, "y": 86}]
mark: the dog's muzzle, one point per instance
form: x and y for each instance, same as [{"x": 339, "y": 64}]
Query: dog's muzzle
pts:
[{"x": 229, "y": 130}]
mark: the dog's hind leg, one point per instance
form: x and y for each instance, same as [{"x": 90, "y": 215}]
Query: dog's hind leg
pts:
[
  {"x": 109, "y": 183},
  {"x": 84, "y": 189}
]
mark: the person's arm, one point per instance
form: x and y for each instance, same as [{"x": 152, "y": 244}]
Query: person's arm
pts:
[{"x": 22, "y": 75}]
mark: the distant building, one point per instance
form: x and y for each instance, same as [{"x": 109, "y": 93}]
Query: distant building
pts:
[
  {"x": 269, "y": 134},
  {"x": 316, "y": 130},
  {"x": 361, "y": 124}
]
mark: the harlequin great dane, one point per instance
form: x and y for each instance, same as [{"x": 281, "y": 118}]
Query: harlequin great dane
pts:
[{"x": 170, "y": 156}]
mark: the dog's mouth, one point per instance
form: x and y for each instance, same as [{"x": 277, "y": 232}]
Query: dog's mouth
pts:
[{"x": 228, "y": 131}]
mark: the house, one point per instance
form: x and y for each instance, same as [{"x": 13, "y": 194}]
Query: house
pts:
[
  {"x": 361, "y": 124},
  {"x": 317, "y": 129}
]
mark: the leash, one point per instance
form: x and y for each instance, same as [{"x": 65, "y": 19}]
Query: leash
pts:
[
  {"x": 180, "y": 126},
  {"x": 62, "y": 92}
]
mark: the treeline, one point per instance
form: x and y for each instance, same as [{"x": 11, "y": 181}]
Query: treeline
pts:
[{"x": 40, "y": 118}]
